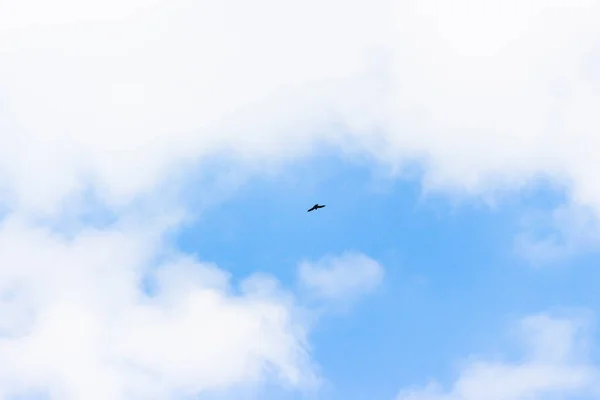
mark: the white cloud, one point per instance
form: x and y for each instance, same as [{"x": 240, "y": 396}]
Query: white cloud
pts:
[
  {"x": 556, "y": 365},
  {"x": 76, "y": 322},
  {"x": 123, "y": 97},
  {"x": 340, "y": 278},
  {"x": 123, "y": 94},
  {"x": 563, "y": 232}
]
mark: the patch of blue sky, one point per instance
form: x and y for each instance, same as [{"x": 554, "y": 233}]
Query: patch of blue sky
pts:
[{"x": 453, "y": 278}]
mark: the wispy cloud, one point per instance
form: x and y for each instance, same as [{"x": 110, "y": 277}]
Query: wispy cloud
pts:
[
  {"x": 340, "y": 278},
  {"x": 556, "y": 364},
  {"x": 553, "y": 236}
]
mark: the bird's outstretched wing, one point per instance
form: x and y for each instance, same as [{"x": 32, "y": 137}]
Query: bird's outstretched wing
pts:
[{"x": 315, "y": 207}]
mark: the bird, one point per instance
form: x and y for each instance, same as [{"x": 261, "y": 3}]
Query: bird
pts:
[{"x": 316, "y": 206}]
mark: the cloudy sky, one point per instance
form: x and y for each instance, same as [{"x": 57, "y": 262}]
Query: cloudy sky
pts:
[{"x": 157, "y": 159}]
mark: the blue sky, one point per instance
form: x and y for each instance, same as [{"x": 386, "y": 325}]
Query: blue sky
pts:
[
  {"x": 454, "y": 280},
  {"x": 157, "y": 160}
]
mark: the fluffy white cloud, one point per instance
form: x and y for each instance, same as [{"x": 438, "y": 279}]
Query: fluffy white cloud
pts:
[
  {"x": 495, "y": 93},
  {"x": 556, "y": 365},
  {"x": 122, "y": 95},
  {"x": 76, "y": 322},
  {"x": 340, "y": 278}
]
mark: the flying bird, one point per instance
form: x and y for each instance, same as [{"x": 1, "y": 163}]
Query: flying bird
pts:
[{"x": 316, "y": 206}]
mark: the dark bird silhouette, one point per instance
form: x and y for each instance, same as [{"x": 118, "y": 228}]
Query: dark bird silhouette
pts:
[{"x": 316, "y": 206}]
